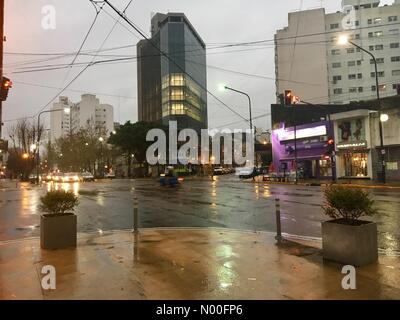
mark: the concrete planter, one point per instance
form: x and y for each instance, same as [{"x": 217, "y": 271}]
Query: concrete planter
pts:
[
  {"x": 355, "y": 245},
  {"x": 58, "y": 231}
]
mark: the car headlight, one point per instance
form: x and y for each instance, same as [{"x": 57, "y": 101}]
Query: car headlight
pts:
[{"x": 76, "y": 178}]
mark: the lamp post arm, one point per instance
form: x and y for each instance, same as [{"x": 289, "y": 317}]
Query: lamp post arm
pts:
[
  {"x": 249, "y": 99},
  {"x": 375, "y": 65}
]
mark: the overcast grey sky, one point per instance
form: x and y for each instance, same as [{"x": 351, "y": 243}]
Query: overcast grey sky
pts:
[{"x": 217, "y": 21}]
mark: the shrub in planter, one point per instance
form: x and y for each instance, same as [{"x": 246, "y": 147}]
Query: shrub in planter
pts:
[
  {"x": 346, "y": 238},
  {"x": 58, "y": 226}
]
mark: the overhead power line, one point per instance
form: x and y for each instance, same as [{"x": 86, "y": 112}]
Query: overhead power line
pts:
[{"x": 123, "y": 16}]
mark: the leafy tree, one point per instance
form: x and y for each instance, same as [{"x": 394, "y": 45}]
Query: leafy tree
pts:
[
  {"x": 130, "y": 138},
  {"x": 82, "y": 150}
]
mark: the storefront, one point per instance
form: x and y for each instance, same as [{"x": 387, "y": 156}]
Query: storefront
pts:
[
  {"x": 313, "y": 160},
  {"x": 352, "y": 145}
]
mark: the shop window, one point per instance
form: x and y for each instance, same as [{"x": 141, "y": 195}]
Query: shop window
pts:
[{"x": 355, "y": 165}]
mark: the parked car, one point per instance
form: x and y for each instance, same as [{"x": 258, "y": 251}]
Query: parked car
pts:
[
  {"x": 87, "y": 176},
  {"x": 71, "y": 177}
]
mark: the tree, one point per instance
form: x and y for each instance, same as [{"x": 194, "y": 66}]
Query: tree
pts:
[
  {"x": 130, "y": 138},
  {"x": 23, "y": 135}
]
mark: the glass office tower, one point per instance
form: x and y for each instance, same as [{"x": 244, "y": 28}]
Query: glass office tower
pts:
[{"x": 173, "y": 89}]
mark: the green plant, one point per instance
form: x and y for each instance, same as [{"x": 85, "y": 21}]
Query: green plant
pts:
[
  {"x": 349, "y": 204},
  {"x": 58, "y": 202}
]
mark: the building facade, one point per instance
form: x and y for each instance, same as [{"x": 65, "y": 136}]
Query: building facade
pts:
[
  {"x": 311, "y": 143},
  {"x": 88, "y": 112},
  {"x": 353, "y": 147},
  {"x": 354, "y": 129},
  {"x": 60, "y": 121},
  {"x": 322, "y": 71},
  {"x": 173, "y": 87}
]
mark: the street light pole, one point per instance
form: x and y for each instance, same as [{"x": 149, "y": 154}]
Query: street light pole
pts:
[
  {"x": 38, "y": 140},
  {"x": 382, "y": 150},
  {"x": 250, "y": 114},
  {"x": 101, "y": 161}
]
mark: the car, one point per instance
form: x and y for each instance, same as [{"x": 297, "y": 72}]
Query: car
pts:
[
  {"x": 32, "y": 178},
  {"x": 87, "y": 176},
  {"x": 71, "y": 177},
  {"x": 247, "y": 172},
  {"x": 57, "y": 177},
  {"x": 47, "y": 177},
  {"x": 110, "y": 175},
  {"x": 218, "y": 171}
]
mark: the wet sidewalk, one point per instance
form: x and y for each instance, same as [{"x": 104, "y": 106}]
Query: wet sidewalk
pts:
[{"x": 187, "y": 264}]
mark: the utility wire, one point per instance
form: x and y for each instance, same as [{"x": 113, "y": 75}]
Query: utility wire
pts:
[
  {"x": 83, "y": 42},
  {"x": 123, "y": 16}
]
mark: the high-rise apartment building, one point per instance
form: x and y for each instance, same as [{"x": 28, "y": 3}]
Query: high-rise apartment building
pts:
[
  {"x": 60, "y": 121},
  {"x": 88, "y": 112},
  {"x": 310, "y": 61},
  {"x": 173, "y": 88}
]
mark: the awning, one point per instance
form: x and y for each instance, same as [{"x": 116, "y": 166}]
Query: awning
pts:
[{"x": 306, "y": 154}]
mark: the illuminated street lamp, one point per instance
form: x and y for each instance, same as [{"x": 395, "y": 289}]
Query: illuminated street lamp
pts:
[
  {"x": 343, "y": 40},
  {"x": 25, "y": 156},
  {"x": 384, "y": 117}
]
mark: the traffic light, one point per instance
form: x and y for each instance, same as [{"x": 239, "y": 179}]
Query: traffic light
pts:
[
  {"x": 288, "y": 97},
  {"x": 6, "y": 84},
  {"x": 330, "y": 147}
]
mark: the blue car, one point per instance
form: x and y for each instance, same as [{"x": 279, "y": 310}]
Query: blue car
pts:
[{"x": 168, "y": 181}]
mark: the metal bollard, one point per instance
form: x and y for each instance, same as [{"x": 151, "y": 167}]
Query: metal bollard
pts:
[
  {"x": 135, "y": 215},
  {"x": 278, "y": 220}
]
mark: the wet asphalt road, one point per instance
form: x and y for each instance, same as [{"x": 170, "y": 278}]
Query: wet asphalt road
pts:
[{"x": 224, "y": 203}]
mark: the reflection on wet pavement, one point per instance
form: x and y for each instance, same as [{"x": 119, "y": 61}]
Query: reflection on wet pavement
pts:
[
  {"x": 187, "y": 264},
  {"x": 224, "y": 202}
]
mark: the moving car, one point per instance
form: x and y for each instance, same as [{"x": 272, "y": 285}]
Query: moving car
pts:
[
  {"x": 57, "y": 177},
  {"x": 110, "y": 175},
  {"x": 47, "y": 177},
  {"x": 87, "y": 176},
  {"x": 218, "y": 171},
  {"x": 32, "y": 178},
  {"x": 247, "y": 172},
  {"x": 71, "y": 177},
  {"x": 169, "y": 178}
]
